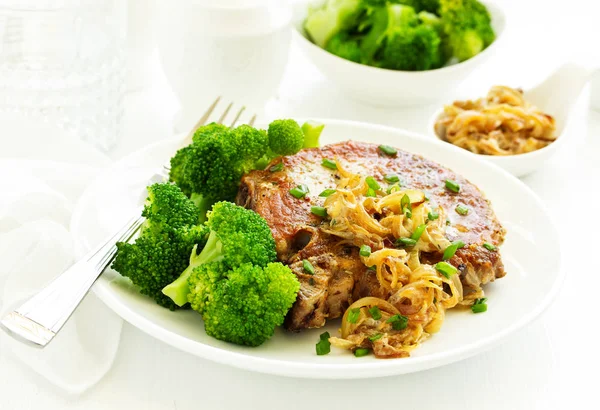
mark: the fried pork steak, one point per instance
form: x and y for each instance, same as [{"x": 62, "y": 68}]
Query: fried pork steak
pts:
[{"x": 340, "y": 277}]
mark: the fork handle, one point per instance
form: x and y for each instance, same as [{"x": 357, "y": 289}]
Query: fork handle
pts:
[{"x": 40, "y": 318}]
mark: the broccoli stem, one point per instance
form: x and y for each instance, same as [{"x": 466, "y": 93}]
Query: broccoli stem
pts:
[
  {"x": 179, "y": 289},
  {"x": 204, "y": 204},
  {"x": 312, "y": 132}
]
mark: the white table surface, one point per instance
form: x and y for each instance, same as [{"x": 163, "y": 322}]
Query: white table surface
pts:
[{"x": 550, "y": 364}]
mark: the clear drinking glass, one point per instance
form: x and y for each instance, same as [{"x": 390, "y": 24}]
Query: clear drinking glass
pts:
[{"x": 62, "y": 61}]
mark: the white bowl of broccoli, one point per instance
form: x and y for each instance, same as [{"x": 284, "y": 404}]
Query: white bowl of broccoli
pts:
[{"x": 398, "y": 52}]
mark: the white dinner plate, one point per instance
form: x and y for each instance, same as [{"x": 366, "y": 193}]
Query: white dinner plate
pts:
[{"x": 531, "y": 255}]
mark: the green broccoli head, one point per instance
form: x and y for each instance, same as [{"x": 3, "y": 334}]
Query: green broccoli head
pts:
[
  {"x": 243, "y": 235},
  {"x": 412, "y": 49},
  {"x": 250, "y": 145},
  {"x": 384, "y": 22},
  {"x": 237, "y": 235},
  {"x": 211, "y": 130},
  {"x": 162, "y": 250},
  {"x": 155, "y": 260},
  {"x": 467, "y": 23},
  {"x": 210, "y": 169},
  {"x": 167, "y": 208},
  {"x": 344, "y": 46},
  {"x": 285, "y": 137},
  {"x": 244, "y": 304}
]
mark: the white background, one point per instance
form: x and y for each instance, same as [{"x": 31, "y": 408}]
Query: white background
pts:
[{"x": 550, "y": 364}]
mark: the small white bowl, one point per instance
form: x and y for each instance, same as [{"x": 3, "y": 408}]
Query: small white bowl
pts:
[
  {"x": 519, "y": 165},
  {"x": 551, "y": 96},
  {"x": 383, "y": 87}
]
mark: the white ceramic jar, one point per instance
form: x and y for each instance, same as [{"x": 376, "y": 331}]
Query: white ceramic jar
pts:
[{"x": 237, "y": 49}]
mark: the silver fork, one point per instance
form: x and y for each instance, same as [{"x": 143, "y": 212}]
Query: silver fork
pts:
[{"x": 41, "y": 317}]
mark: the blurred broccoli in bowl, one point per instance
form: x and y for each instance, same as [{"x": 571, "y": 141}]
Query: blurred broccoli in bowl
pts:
[{"x": 407, "y": 35}]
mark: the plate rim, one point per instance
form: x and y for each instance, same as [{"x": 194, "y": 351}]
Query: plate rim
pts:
[{"x": 379, "y": 368}]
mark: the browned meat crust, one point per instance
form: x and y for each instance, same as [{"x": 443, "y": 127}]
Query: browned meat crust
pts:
[{"x": 339, "y": 276}]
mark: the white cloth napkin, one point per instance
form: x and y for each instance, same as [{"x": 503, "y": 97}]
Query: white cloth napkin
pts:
[{"x": 36, "y": 201}]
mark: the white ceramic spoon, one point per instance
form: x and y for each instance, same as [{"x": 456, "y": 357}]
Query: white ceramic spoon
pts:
[{"x": 556, "y": 95}]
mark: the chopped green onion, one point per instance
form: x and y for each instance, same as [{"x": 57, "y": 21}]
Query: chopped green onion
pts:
[
  {"x": 408, "y": 242},
  {"x": 448, "y": 222},
  {"x": 393, "y": 188},
  {"x": 452, "y": 186},
  {"x": 371, "y": 192},
  {"x": 308, "y": 268},
  {"x": 374, "y": 185},
  {"x": 375, "y": 337},
  {"x": 372, "y": 267},
  {"x": 386, "y": 149},
  {"x": 276, "y": 167},
  {"x": 319, "y": 211},
  {"x": 490, "y": 247},
  {"x": 427, "y": 196},
  {"x": 327, "y": 193},
  {"x": 391, "y": 178},
  {"x": 327, "y": 163},
  {"x": 398, "y": 322},
  {"x": 418, "y": 232},
  {"x": 445, "y": 269},
  {"x": 323, "y": 346},
  {"x": 479, "y": 306},
  {"x": 300, "y": 191},
  {"x": 432, "y": 216},
  {"x": 405, "y": 201},
  {"x": 365, "y": 250},
  {"x": 353, "y": 315},
  {"x": 406, "y": 206},
  {"x": 451, "y": 250},
  {"x": 375, "y": 313},
  {"x": 360, "y": 352},
  {"x": 461, "y": 209}
]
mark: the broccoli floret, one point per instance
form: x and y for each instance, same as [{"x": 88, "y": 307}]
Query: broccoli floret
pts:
[
  {"x": 211, "y": 167},
  {"x": 252, "y": 144},
  {"x": 167, "y": 208},
  {"x": 163, "y": 248},
  {"x": 335, "y": 16},
  {"x": 285, "y": 137},
  {"x": 412, "y": 49},
  {"x": 312, "y": 133},
  {"x": 210, "y": 130},
  {"x": 385, "y": 21},
  {"x": 467, "y": 23},
  {"x": 444, "y": 52},
  {"x": 154, "y": 261},
  {"x": 237, "y": 235},
  {"x": 243, "y": 304},
  {"x": 343, "y": 45}
]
